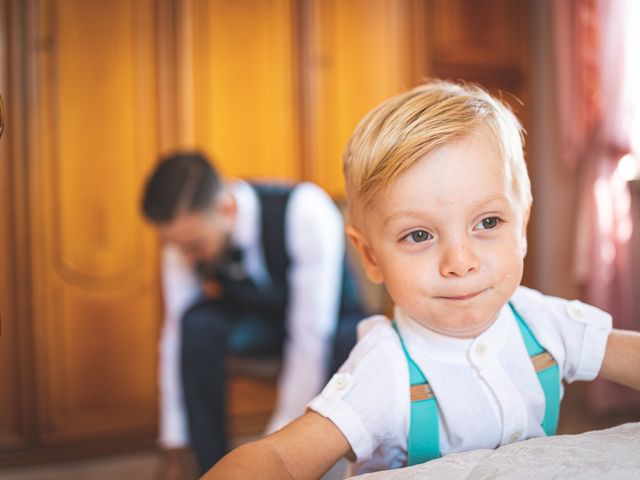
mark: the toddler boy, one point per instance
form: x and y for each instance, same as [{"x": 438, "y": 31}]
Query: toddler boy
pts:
[{"x": 439, "y": 201}]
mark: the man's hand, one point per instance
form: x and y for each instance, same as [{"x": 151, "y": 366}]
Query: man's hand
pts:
[{"x": 176, "y": 464}]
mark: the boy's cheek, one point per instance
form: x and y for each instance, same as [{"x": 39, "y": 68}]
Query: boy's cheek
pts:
[{"x": 524, "y": 246}]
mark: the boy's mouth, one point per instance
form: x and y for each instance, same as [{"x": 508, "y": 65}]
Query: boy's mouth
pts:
[{"x": 467, "y": 296}]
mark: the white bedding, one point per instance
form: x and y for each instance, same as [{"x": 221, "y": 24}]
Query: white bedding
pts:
[{"x": 604, "y": 454}]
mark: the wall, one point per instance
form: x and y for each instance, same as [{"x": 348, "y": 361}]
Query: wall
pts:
[{"x": 554, "y": 185}]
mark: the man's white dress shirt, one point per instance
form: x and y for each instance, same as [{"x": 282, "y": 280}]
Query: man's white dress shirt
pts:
[
  {"x": 487, "y": 390},
  {"x": 315, "y": 244}
]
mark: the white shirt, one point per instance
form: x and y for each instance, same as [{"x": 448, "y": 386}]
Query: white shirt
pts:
[
  {"x": 487, "y": 390},
  {"x": 315, "y": 243}
]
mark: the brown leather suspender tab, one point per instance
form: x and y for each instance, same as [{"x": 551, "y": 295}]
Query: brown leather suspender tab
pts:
[
  {"x": 422, "y": 391},
  {"x": 542, "y": 361}
]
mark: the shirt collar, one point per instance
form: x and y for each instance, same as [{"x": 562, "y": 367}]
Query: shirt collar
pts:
[{"x": 421, "y": 340}]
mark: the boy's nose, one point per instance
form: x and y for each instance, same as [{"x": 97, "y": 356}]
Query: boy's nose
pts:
[{"x": 458, "y": 260}]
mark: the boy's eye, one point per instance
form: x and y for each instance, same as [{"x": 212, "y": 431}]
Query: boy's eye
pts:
[
  {"x": 418, "y": 236},
  {"x": 488, "y": 223}
]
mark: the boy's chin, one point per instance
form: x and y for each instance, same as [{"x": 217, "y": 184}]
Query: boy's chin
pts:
[{"x": 464, "y": 331}]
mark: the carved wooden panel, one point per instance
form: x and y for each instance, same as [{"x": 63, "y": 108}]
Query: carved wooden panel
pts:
[
  {"x": 239, "y": 85},
  {"x": 358, "y": 54},
  {"x": 468, "y": 32},
  {"x": 485, "y": 42},
  {"x": 96, "y": 308}
]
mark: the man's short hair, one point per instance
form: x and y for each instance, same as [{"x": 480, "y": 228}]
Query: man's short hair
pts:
[
  {"x": 183, "y": 182},
  {"x": 403, "y": 129}
]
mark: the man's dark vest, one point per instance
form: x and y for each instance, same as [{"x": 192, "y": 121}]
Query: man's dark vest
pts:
[{"x": 273, "y": 201}]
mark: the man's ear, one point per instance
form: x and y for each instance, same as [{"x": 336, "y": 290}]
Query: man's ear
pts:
[
  {"x": 367, "y": 256},
  {"x": 227, "y": 209}
]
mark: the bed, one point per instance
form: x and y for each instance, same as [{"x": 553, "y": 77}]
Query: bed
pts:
[{"x": 612, "y": 454}]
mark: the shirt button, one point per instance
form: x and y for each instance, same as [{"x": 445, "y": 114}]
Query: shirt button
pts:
[
  {"x": 339, "y": 385},
  {"x": 576, "y": 310},
  {"x": 341, "y": 382},
  {"x": 515, "y": 436},
  {"x": 481, "y": 349}
]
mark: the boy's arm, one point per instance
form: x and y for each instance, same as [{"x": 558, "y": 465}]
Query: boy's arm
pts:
[
  {"x": 305, "y": 449},
  {"x": 622, "y": 358}
]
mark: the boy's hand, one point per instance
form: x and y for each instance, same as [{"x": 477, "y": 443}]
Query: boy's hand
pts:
[{"x": 621, "y": 362}]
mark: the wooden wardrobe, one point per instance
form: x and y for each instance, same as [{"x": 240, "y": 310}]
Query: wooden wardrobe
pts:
[{"x": 96, "y": 90}]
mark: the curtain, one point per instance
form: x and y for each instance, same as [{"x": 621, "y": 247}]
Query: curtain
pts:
[{"x": 597, "y": 81}]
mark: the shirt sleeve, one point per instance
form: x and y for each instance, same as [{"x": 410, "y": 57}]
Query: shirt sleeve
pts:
[
  {"x": 315, "y": 242},
  {"x": 368, "y": 399},
  {"x": 574, "y": 332},
  {"x": 180, "y": 289}
]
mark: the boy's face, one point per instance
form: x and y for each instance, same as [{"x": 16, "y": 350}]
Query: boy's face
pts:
[{"x": 448, "y": 238}]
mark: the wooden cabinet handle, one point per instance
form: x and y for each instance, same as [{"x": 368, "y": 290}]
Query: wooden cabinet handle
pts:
[{"x": 1, "y": 116}]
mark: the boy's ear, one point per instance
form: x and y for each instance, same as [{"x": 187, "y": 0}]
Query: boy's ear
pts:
[{"x": 369, "y": 261}]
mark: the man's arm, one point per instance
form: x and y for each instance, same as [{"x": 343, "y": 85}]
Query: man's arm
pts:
[
  {"x": 621, "y": 362},
  {"x": 305, "y": 449},
  {"x": 315, "y": 242},
  {"x": 180, "y": 289}
]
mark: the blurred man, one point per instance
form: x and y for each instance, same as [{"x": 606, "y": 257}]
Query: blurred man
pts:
[{"x": 249, "y": 269}]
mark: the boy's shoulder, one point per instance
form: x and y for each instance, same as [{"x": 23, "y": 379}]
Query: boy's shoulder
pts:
[
  {"x": 368, "y": 399},
  {"x": 376, "y": 363},
  {"x": 573, "y": 332},
  {"x": 527, "y": 299},
  {"x": 532, "y": 304},
  {"x": 374, "y": 330},
  {"x": 377, "y": 341},
  {"x": 375, "y": 325}
]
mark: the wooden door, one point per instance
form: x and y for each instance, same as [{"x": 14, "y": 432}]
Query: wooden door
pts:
[
  {"x": 92, "y": 139},
  {"x": 356, "y": 54},
  {"x": 237, "y": 89}
]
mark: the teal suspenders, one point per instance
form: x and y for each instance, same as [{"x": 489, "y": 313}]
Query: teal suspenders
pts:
[
  {"x": 548, "y": 375},
  {"x": 423, "y": 443}
]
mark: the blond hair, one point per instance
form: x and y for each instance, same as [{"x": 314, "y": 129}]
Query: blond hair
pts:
[{"x": 405, "y": 128}]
